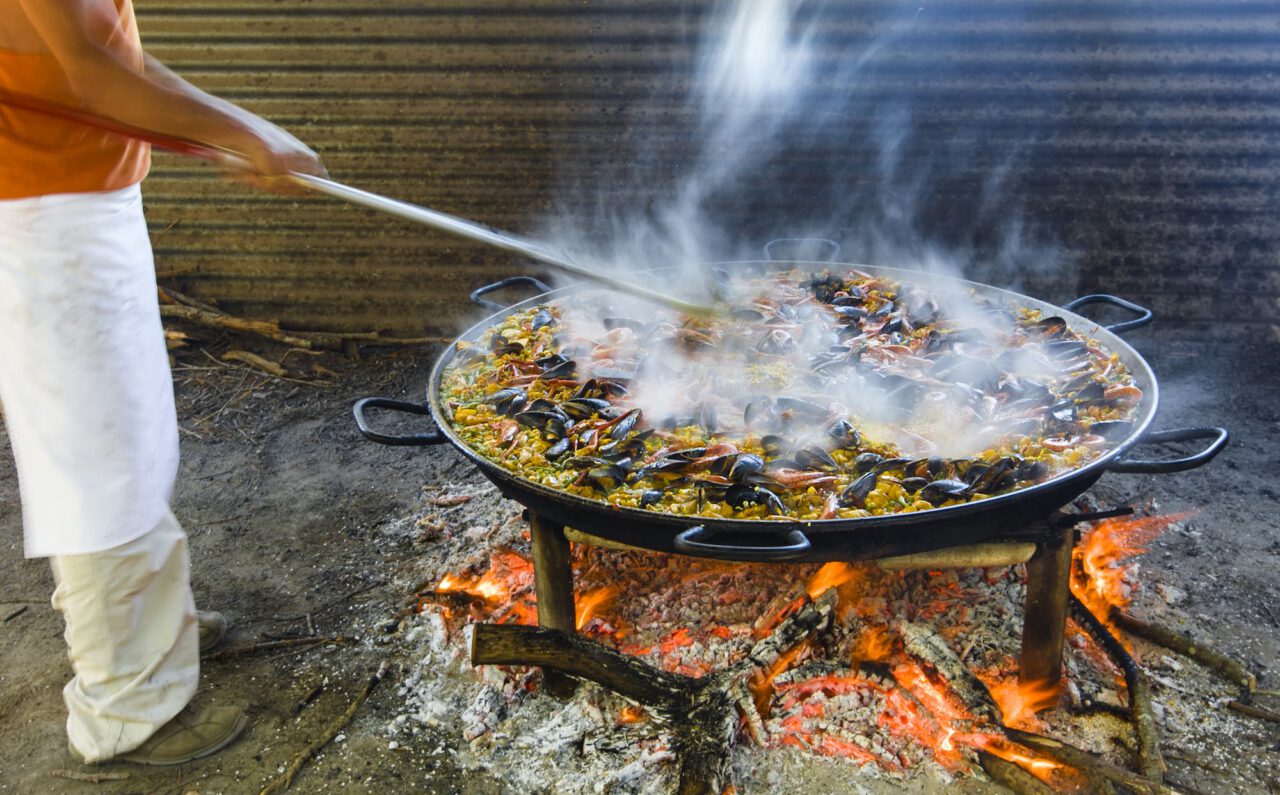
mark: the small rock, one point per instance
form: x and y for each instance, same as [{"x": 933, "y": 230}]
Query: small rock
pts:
[{"x": 1171, "y": 594}]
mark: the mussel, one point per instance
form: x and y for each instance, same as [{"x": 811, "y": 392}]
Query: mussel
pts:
[
  {"x": 939, "y": 491},
  {"x": 856, "y": 493},
  {"x": 740, "y": 496},
  {"x": 508, "y": 401}
]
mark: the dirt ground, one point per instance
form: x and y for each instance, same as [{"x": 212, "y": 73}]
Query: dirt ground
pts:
[{"x": 299, "y": 528}]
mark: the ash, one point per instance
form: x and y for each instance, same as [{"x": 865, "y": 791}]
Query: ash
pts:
[{"x": 840, "y": 714}]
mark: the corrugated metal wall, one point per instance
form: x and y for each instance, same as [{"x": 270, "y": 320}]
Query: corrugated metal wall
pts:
[{"x": 1147, "y": 138}]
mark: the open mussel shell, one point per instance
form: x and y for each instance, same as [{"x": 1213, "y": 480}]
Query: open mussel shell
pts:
[
  {"x": 552, "y": 426},
  {"x": 508, "y": 401},
  {"x": 939, "y": 491},
  {"x": 541, "y": 318},
  {"x": 740, "y": 496},
  {"x": 1112, "y": 430},
  {"x": 856, "y": 493},
  {"x": 582, "y": 408}
]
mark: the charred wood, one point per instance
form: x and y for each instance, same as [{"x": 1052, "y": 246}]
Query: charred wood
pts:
[
  {"x": 1150, "y": 762},
  {"x": 704, "y": 713},
  {"x": 1012, "y": 776}
]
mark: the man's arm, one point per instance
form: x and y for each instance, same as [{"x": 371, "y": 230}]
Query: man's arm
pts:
[{"x": 155, "y": 98}]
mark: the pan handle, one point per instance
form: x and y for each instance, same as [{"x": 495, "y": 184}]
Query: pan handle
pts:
[
  {"x": 694, "y": 542},
  {"x": 1144, "y": 315},
  {"x": 1218, "y": 435},
  {"x": 801, "y": 244},
  {"x": 404, "y": 406},
  {"x": 478, "y": 294}
]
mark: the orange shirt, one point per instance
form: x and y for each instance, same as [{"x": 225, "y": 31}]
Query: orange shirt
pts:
[{"x": 41, "y": 155}]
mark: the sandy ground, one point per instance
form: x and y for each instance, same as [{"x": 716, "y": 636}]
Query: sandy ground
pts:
[{"x": 298, "y": 527}]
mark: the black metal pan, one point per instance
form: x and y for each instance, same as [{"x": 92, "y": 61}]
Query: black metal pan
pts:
[{"x": 829, "y": 539}]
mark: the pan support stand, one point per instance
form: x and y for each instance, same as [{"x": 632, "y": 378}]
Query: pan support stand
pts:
[
  {"x": 553, "y": 583},
  {"x": 1044, "y": 620}
]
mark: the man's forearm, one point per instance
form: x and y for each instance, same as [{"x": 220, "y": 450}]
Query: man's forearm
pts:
[{"x": 157, "y": 99}]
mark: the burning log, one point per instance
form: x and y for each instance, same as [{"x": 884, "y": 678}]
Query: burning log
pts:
[
  {"x": 1186, "y": 645},
  {"x": 1012, "y": 776},
  {"x": 924, "y": 645},
  {"x": 1087, "y": 763},
  {"x": 703, "y": 713},
  {"x": 1150, "y": 761}
]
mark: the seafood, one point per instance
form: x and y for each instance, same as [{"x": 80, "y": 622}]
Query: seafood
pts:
[{"x": 563, "y": 407}]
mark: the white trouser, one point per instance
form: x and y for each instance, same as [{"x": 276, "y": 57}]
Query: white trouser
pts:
[
  {"x": 88, "y": 404},
  {"x": 84, "y": 374},
  {"x": 132, "y": 638}
]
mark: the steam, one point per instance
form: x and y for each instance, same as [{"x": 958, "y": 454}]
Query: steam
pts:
[{"x": 769, "y": 92}]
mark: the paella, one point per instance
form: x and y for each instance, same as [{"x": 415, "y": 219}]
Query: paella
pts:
[{"x": 838, "y": 394}]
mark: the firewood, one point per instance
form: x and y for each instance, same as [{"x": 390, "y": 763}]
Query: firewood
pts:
[
  {"x": 1086, "y": 762},
  {"x": 1012, "y": 776},
  {"x": 261, "y": 328},
  {"x": 1187, "y": 646},
  {"x": 974, "y": 556},
  {"x": 256, "y": 361},
  {"x": 926, "y": 647},
  {"x": 273, "y": 645},
  {"x": 89, "y": 778},
  {"x": 1150, "y": 762},
  {"x": 703, "y": 713}
]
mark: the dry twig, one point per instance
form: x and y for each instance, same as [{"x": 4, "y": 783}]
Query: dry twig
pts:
[
  {"x": 88, "y": 778},
  {"x": 285, "y": 779},
  {"x": 271, "y": 645},
  {"x": 1185, "y": 645},
  {"x": 1252, "y": 711}
]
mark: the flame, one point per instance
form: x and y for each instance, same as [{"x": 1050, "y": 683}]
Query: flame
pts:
[
  {"x": 1041, "y": 767},
  {"x": 1020, "y": 701},
  {"x": 589, "y": 603},
  {"x": 505, "y": 589},
  {"x": 831, "y": 575},
  {"x": 486, "y": 587},
  {"x": 872, "y": 645},
  {"x": 1101, "y": 569},
  {"x": 632, "y": 714},
  {"x": 761, "y": 683}
]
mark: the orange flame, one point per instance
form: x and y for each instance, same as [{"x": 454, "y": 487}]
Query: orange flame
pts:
[
  {"x": 872, "y": 645},
  {"x": 1020, "y": 701},
  {"x": 761, "y": 683},
  {"x": 1041, "y": 767},
  {"x": 632, "y": 714},
  {"x": 486, "y": 587},
  {"x": 591, "y": 602},
  {"x": 1101, "y": 567},
  {"x": 831, "y": 575}
]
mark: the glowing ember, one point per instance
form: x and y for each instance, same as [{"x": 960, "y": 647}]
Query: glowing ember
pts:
[
  {"x": 828, "y": 695},
  {"x": 1101, "y": 571}
]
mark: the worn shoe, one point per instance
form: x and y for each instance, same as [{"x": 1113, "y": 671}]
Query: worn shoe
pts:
[
  {"x": 192, "y": 734},
  {"x": 213, "y": 629}
]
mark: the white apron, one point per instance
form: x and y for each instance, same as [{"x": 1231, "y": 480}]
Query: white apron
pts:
[{"x": 84, "y": 374}]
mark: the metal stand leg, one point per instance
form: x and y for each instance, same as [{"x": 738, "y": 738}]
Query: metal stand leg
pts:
[
  {"x": 1044, "y": 622},
  {"x": 553, "y": 583}
]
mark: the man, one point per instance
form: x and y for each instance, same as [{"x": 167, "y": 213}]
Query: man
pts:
[{"x": 84, "y": 375}]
